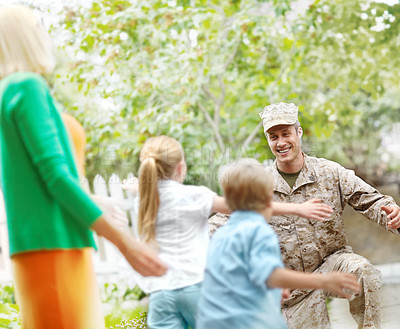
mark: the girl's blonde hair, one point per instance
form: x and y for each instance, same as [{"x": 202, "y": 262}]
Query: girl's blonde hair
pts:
[
  {"x": 159, "y": 158},
  {"x": 24, "y": 43}
]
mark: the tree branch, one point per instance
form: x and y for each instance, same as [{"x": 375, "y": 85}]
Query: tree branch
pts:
[
  {"x": 222, "y": 86},
  {"x": 250, "y": 138},
  {"x": 233, "y": 54},
  {"x": 273, "y": 84},
  {"x": 220, "y": 101},
  {"x": 230, "y": 131},
  {"x": 209, "y": 93},
  {"x": 216, "y": 8},
  {"x": 214, "y": 127}
]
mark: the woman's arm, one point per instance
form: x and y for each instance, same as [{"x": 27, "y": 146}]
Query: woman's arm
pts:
[
  {"x": 139, "y": 255},
  {"x": 32, "y": 111}
]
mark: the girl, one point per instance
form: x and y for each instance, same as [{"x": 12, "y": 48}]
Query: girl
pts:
[
  {"x": 49, "y": 215},
  {"x": 173, "y": 217}
]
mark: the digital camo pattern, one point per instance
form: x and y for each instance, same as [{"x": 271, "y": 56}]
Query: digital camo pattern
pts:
[
  {"x": 278, "y": 114},
  {"x": 216, "y": 221},
  {"x": 364, "y": 306},
  {"x": 307, "y": 245}
]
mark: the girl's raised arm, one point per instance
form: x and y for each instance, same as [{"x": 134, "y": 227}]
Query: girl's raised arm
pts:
[{"x": 313, "y": 209}]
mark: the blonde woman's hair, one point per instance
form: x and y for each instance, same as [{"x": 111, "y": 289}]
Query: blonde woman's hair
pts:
[
  {"x": 24, "y": 43},
  {"x": 159, "y": 157},
  {"x": 246, "y": 185}
]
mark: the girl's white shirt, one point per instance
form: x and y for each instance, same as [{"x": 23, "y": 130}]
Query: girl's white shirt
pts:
[{"x": 181, "y": 235}]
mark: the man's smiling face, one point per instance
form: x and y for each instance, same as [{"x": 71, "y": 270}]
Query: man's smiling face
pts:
[{"x": 284, "y": 141}]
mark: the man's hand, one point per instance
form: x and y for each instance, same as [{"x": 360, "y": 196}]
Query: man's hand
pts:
[
  {"x": 393, "y": 216},
  {"x": 314, "y": 209}
]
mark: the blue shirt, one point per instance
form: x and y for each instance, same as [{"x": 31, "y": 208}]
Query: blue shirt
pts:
[{"x": 241, "y": 257}]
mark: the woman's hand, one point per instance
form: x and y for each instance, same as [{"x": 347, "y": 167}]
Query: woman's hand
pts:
[
  {"x": 111, "y": 209},
  {"x": 131, "y": 185},
  {"x": 141, "y": 256}
]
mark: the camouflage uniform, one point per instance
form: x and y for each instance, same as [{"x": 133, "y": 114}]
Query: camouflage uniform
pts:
[
  {"x": 313, "y": 246},
  {"x": 216, "y": 221}
]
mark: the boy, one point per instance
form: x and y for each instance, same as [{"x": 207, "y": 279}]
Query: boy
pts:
[{"x": 244, "y": 265}]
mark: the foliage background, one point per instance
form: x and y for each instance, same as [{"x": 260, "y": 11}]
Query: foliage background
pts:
[
  {"x": 201, "y": 71},
  {"x": 123, "y": 307}
]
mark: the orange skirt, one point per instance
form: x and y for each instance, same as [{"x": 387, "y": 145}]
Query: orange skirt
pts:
[{"x": 57, "y": 289}]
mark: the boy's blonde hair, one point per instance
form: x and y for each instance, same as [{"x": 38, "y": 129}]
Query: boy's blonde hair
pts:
[
  {"x": 24, "y": 44},
  {"x": 246, "y": 185},
  {"x": 159, "y": 157}
]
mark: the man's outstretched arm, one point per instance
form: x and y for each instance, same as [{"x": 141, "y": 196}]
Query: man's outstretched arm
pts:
[{"x": 368, "y": 201}]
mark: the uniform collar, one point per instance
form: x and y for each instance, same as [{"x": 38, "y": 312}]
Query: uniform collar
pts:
[{"x": 307, "y": 176}]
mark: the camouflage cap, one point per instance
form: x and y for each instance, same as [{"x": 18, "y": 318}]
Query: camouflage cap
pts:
[{"x": 278, "y": 114}]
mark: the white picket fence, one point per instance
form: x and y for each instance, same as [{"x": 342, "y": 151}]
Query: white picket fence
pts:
[{"x": 107, "y": 257}]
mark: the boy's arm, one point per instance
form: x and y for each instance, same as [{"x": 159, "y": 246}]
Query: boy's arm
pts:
[
  {"x": 313, "y": 209},
  {"x": 333, "y": 282}
]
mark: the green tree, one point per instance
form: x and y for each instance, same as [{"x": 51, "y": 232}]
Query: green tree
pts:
[
  {"x": 347, "y": 79},
  {"x": 200, "y": 71}
]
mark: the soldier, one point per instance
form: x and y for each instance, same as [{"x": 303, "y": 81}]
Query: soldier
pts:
[{"x": 313, "y": 246}]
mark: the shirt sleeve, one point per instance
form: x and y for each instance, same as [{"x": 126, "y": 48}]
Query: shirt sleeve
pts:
[
  {"x": 203, "y": 199},
  {"x": 264, "y": 256},
  {"x": 32, "y": 115},
  {"x": 364, "y": 198}
]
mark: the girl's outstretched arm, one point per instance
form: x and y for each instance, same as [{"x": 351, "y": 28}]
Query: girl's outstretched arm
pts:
[
  {"x": 313, "y": 209},
  {"x": 220, "y": 205}
]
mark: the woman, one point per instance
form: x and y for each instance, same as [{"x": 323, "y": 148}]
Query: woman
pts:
[{"x": 48, "y": 213}]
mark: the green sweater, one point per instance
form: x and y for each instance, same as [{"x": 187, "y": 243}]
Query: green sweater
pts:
[{"x": 45, "y": 204}]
